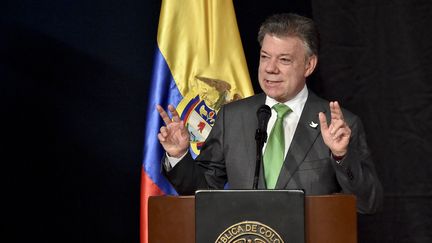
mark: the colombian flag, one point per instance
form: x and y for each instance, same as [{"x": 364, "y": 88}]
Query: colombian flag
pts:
[{"x": 199, "y": 65}]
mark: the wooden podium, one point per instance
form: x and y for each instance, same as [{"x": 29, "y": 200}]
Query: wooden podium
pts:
[{"x": 328, "y": 219}]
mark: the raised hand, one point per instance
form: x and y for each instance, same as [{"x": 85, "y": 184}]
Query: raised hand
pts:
[
  {"x": 174, "y": 136},
  {"x": 336, "y": 135}
]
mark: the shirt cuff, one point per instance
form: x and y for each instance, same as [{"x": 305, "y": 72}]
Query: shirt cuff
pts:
[
  {"x": 170, "y": 162},
  {"x": 338, "y": 159}
]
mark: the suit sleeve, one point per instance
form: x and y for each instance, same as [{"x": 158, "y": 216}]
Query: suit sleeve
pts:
[
  {"x": 208, "y": 170},
  {"x": 356, "y": 172}
]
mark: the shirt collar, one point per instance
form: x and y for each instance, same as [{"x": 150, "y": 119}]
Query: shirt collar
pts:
[{"x": 296, "y": 104}]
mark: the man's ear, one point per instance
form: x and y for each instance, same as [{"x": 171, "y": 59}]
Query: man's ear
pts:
[{"x": 311, "y": 63}]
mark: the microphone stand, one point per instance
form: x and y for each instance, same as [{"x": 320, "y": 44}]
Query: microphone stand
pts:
[{"x": 260, "y": 137}]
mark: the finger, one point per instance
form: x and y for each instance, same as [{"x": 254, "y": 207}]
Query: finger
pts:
[
  {"x": 161, "y": 138},
  {"x": 343, "y": 131},
  {"x": 323, "y": 121},
  {"x": 336, "y": 111},
  {"x": 174, "y": 113},
  {"x": 339, "y": 134},
  {"x": 336, "y": 125},
  {"x": 163, "y": 131},
  {"x": 163, "y": 114},
  {"x": 185, "y": 131}
]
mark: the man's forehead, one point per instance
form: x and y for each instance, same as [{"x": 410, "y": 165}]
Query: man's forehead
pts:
[{"x": 282, "y": 45}]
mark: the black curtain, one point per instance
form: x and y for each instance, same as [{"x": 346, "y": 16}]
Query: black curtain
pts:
[
  {"x": 376, "y": 59},
  {"x": 74, "y": 79}
]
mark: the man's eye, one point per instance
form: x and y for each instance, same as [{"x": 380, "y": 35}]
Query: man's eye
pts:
[
  {"x": 285, "y": 60},
  {"x": 264, "y": 57}
]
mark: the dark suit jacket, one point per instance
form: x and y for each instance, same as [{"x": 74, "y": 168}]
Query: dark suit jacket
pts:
[{"x": 229, "y": 156}]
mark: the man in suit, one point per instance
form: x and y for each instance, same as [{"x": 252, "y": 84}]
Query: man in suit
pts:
[{"x": 331, "y": 157}]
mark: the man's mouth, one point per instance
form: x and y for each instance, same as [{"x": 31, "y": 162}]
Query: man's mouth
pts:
[{"x": 272, "y": 81}]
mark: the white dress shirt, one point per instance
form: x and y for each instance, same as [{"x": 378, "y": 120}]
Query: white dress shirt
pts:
[{"x": 291, "y": 119}]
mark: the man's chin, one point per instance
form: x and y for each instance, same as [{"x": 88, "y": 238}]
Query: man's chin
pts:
[{"x": 278, "y": 98}]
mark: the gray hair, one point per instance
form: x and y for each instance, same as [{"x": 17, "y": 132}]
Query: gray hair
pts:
[{"x": 289, "y": 24}]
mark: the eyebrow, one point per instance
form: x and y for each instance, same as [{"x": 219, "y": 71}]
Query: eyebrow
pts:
[{"x": 281, "y": 55}]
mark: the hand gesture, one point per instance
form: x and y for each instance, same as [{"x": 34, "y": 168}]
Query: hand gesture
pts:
[
  {"x": 174, "y": 136},
  {"x": 336, "y": 135}
]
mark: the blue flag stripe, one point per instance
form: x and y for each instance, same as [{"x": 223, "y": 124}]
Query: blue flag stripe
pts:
[{"x": 163, "y": 91}]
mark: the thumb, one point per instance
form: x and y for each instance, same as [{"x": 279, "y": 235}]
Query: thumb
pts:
[{"x": 323, "y": 121}]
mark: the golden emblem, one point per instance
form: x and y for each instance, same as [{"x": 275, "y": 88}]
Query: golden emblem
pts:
[
  {"x": 249, "y": 232},
  {"x": 218, "y": 94},
  {"x": 199, "y": 109}
]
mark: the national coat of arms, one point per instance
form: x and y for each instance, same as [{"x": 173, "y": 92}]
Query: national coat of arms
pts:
[{"x": 199, "y": 109}]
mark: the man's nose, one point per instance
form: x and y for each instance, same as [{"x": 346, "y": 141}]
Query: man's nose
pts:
[{"x": 271, "y": 66}]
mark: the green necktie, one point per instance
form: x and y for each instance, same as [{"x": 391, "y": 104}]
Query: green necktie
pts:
[{"x": 275, "y": 149}]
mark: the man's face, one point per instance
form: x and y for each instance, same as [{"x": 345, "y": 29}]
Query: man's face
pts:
[{"x": 283, "y": 67}]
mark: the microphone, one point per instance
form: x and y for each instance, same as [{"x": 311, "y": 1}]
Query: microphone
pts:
[{"x": 263, "y": 116}]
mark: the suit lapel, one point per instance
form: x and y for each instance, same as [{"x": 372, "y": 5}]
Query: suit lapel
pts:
[{"x": 304, "y": 137}]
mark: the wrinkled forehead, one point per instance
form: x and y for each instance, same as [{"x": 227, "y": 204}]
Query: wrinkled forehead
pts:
[
  {"x": 288, "y": 35},
  {"x": 289, "y": 44}
]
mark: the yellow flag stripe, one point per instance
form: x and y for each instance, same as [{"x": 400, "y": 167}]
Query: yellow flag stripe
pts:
[{"x": 200, "y": 38}]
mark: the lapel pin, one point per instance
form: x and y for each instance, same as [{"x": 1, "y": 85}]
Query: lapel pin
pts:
[{"x": 313, "y": 124}]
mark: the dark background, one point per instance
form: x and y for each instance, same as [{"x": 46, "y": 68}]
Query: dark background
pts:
[{"x": 74, "y": 82}]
